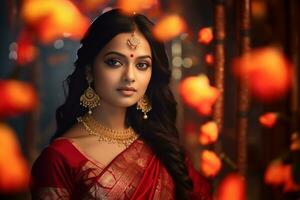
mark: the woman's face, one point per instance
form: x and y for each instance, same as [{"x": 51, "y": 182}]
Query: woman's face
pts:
[{"x": 122, "y": 74}]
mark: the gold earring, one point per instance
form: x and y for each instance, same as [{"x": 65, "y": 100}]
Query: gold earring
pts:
[
  {"x": 89, "y": 99},
  {"x": 144, "y": 105}
]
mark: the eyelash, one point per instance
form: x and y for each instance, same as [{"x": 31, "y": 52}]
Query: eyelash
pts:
[
  {"x": 145, "y": 64},
  {"x": 109, "y": 63}
]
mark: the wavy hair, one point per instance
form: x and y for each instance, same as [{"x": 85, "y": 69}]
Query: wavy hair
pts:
[{"x": 159, "y": 130}]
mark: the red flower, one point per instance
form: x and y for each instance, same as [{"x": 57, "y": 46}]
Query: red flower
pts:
[
  {"x": 197, "y": 93},
  {"x": 16, "y": 97},
  {"x": 26, "y": 51},
  {"x": 210, "y": 163},
  {"x": 268, "y": 119},
  {"x": 209, "y": 59},
  {"x": 208, "y": 133},
  {"x": 205, "y": 35},
  {"x": 232, "y": 187},
  {"x": 14, "y": 170},
  {"x": 278, "y": 174},
  {"x": 267, "y": 71},
  {"x": 169, "y": 27},
  {"x": 275, "y": 174}
]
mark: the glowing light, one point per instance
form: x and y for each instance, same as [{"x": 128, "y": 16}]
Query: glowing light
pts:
[
  {"x": 16, "y": 97},
  {"x": 14, "y": 169},
  {"x": 205, "y": 35},
  {"x": 209, "y": 59},
  {"x": 26, "y": 50},
  {"x": 232, "y": 187},
  {"x": 176, "y": 73},
  {"x": 268, "y": 119},
  {"x": 267, "y": 71},
  {"x": 58, "y": 44},
  {"x": 187, "y": 62},
  {"x": 131, "y": 6},
  {"x": 278, "y": 174},
  {"x": 208, "y": 133},
  {"x": 177, "y": 61},
  {"x": 169, "y": 27},
  {"x": 210, "y": 163},
  {"x": 258, "y": 9},
  {"x": 197, "y": 93},
  {"x": 52, "y": 18}
]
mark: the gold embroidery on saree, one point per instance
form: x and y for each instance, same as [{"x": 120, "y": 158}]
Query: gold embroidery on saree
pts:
[
  {"x": 51, "y": 193},
  {"x": 120, "y": 178}
]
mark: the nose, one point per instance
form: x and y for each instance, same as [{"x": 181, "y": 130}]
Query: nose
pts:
[{"x": 129, "y": 74}]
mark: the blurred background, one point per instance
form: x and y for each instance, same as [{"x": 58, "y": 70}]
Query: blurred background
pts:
[{"x": 235, "y": 75}]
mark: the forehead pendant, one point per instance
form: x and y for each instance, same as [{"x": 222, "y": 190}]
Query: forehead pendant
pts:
[{"x": 133, "y": 41}]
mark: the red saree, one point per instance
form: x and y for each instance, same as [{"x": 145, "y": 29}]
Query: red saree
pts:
[{"x": 63, "y": 171}]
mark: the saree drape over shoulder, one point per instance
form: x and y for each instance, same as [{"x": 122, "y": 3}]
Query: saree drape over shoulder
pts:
[{"x": 63, "y": 171}]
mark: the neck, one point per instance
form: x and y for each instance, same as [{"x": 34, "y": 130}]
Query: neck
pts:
[{"x": 110, "y": 116}]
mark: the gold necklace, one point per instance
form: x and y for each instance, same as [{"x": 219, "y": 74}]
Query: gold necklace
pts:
[{"x": 106, "y": 134}]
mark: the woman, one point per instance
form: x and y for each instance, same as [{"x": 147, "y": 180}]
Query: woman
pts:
[{"x": 116, "y": 136}]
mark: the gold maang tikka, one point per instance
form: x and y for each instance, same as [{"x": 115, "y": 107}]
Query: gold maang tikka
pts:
[
  {"x": 89, "y": 99},
  {"x": 133, "y": 41},
  {"x": 144, "y": 105}
]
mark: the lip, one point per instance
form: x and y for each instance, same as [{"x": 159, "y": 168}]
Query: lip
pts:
[{"x": 127, "y": 91}]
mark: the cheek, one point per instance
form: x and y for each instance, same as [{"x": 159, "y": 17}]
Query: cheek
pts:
[
  {"x": 145, "y": 79},
  {"x": 104, "y": 81}
]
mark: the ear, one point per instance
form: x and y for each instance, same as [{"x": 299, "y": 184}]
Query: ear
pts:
[{"x": 88, "y": 73}]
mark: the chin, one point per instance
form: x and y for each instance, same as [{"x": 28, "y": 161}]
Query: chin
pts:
[{"x": 126, "y": 103}]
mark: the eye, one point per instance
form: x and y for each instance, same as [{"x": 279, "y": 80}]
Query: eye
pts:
[
  {"x": 113, "y": 62},
  {"x": 143, "y": 65}
]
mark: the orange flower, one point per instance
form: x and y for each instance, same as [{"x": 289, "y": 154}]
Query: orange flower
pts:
[
  {"x": 208, "y": 133},
  {"x": 16, "y": 97},
  {"x": 205, "y": 35},
  {"x": 169, "y": 27},
  {"x": 26, "y": 51},
  {"x": 232, "y": 187},
  {"x": 209, "y": 59},
  {"x": 268, "y": 119},
  {"x": 131, "y": 6},
  {"x": 54, "y": 19},
  {"x": 279, "y": 174},
  {"x": 267, "y": 71},
  {"x": 275, "y": 174},
  {"x": 197, "y": 93},
  {"x": 210, "y": 163},
  {"x": 14, "y": 170}
]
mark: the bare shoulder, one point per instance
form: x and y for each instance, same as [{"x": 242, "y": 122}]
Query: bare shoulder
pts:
[{"x": 80, "y": 136}]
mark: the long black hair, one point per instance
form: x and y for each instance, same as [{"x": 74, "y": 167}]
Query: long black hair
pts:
[{"x": 158, "y": 131}]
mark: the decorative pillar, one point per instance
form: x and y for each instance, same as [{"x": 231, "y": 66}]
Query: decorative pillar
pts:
[
  {"x": 219, "y": 36},
  {"x": 243, "y": 93}
]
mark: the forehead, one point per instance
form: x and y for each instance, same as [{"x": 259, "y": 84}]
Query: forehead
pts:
[{"x": 119, "y": 44}]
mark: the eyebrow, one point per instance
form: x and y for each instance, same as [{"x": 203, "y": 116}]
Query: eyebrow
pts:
[{"x": 122, "y": 55}]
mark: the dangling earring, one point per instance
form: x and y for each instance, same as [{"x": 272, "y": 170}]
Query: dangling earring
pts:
[
  {"x": 89, "y": 99},
  {"x": 144, "y": 105}
]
